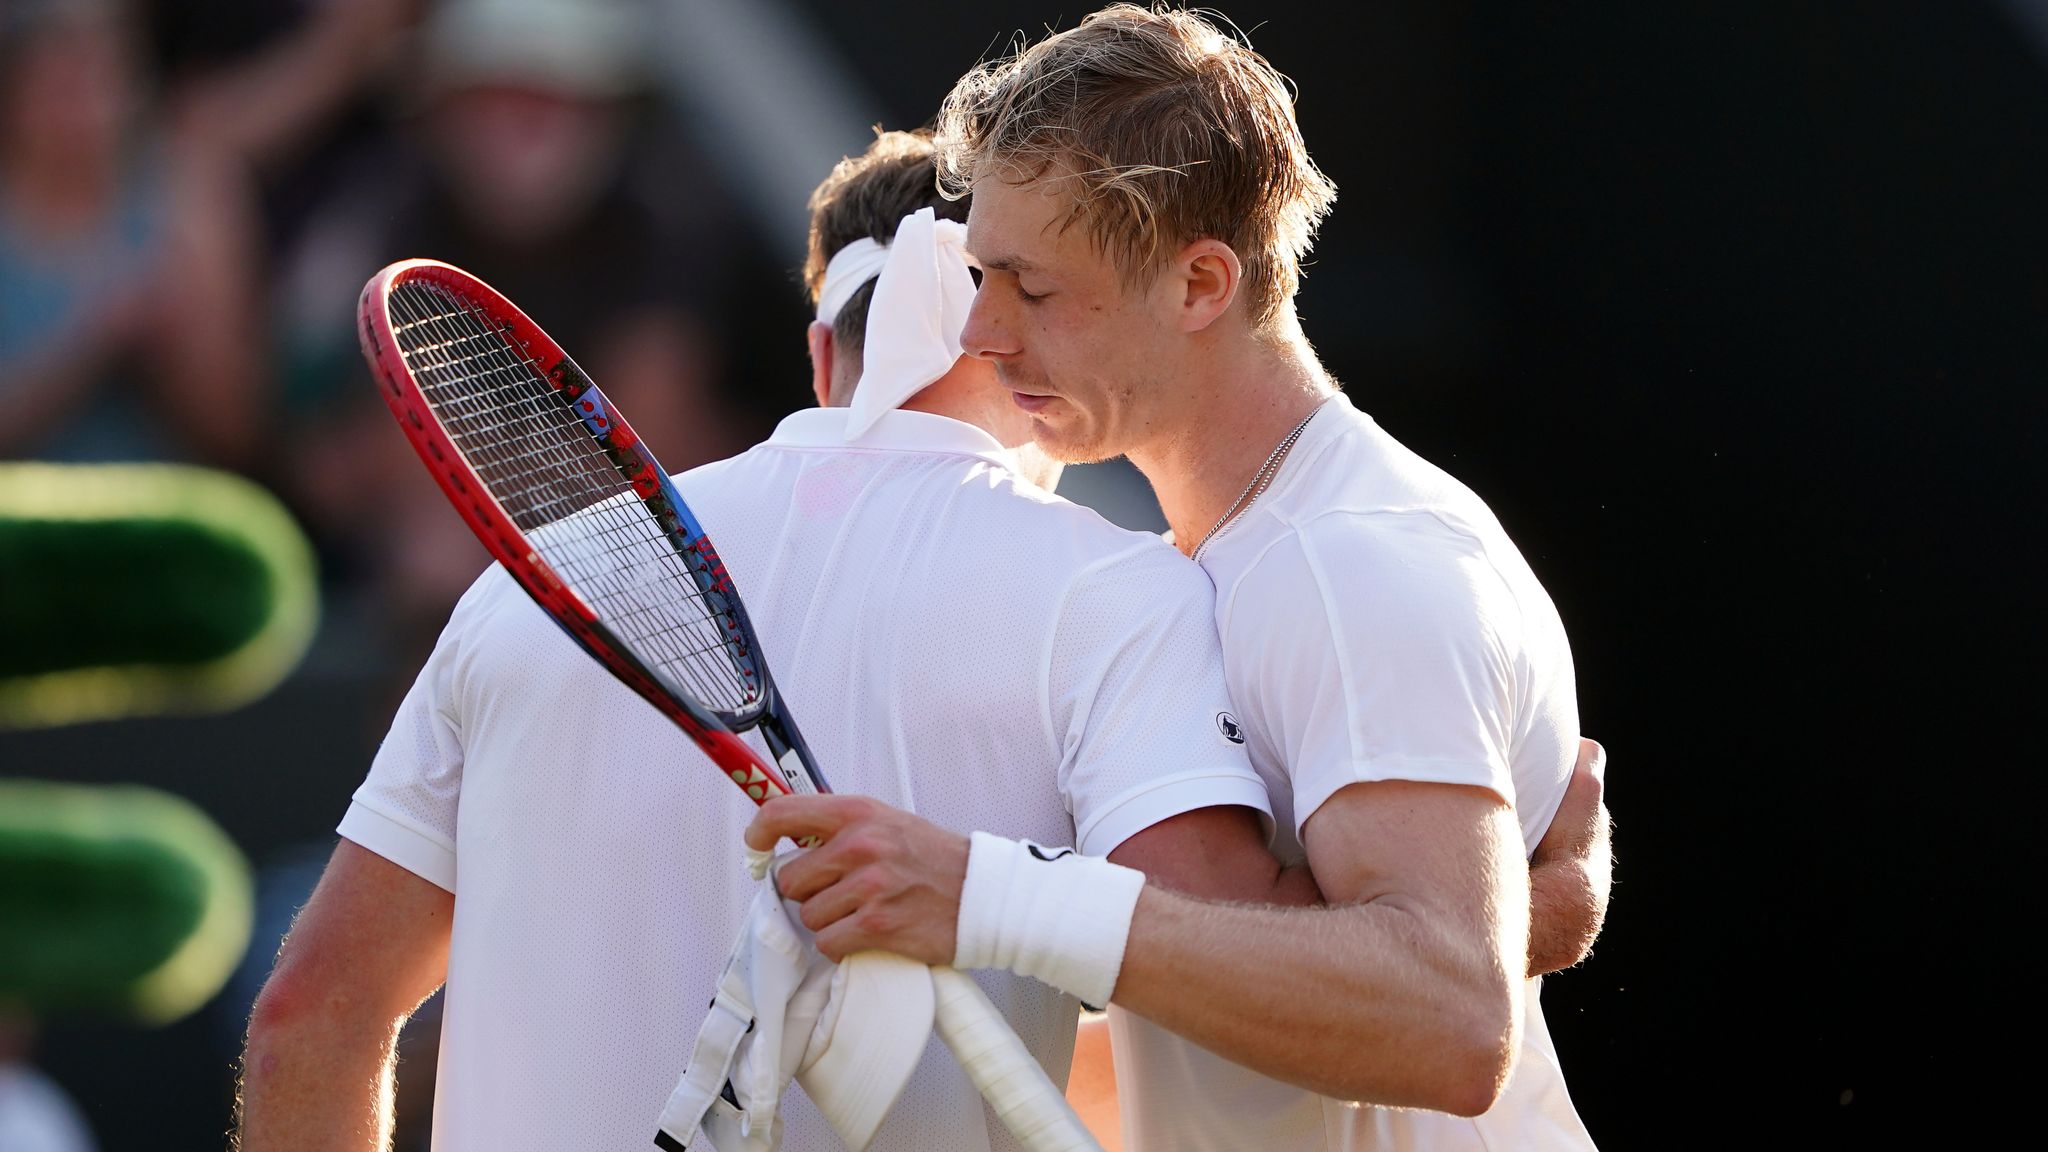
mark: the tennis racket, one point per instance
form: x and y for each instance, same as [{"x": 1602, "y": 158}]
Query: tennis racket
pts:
[
  {"x": 1016, "y": 1087},
  {"x": 558, "y": 487},
  {"x": 553, "y": 480}
]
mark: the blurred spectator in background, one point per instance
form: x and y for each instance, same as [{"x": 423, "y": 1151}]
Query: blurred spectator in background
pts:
[
  {"x": 128, "y": 308},
  {"x": 533, "y": 156},
  {"x": 275, "y": 105}
]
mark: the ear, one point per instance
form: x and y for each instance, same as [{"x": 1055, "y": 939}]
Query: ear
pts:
[
  {"x": 1207, "y": 273},
  {"x": 820, "y": 339}
]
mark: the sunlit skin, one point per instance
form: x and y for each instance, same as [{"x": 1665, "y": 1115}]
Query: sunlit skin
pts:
[
  {"x": 1077, "y": 352},
  {"x": 968, "y": 392},
  {"x": 1165, "y": 368},
  {"x": 972, "y": 392}
]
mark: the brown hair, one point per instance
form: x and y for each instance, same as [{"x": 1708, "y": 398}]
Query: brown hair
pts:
[
  {"x": 1171, "y": 129},
  {"x": 867, "y": 196}
]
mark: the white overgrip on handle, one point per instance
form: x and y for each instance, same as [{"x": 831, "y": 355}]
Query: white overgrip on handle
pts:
[{"x": 1022, "y": 1096}]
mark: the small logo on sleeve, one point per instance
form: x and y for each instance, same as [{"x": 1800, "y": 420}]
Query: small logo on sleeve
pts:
[
  {"x": 1038, "y": 850},
  {"x": 1227, "y": 724}
]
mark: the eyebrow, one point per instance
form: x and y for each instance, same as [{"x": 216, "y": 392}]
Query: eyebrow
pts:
[{"x": 1008, "y": 264}]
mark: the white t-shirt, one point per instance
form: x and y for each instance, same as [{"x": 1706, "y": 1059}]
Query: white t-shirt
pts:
[
  {"x": 1377, "y": 624},
  {"x": 950, "y": 639}
]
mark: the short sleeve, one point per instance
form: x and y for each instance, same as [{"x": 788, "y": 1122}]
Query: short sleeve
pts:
[
  {"x": 405, "y": 809},
  {"x": 1136, "y": 701},
  {"x": 1373, "y": 651}
]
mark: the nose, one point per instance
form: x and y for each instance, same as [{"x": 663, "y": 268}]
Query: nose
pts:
[{"x": 986, "y": 336}]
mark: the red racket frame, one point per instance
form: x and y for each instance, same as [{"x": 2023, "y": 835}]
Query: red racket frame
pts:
[{"x": 492, "y": 525}]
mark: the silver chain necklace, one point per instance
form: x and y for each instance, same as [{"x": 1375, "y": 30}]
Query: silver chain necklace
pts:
[{"x": 1256, "y": 486}]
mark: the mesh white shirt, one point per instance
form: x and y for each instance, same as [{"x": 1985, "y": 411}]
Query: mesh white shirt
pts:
[
  {"x": 1377, "y": 624},
  {"x": 949, "y": 638}
]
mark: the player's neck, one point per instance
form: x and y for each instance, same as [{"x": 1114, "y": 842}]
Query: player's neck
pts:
[
  {"x": 1237, "y": 411},
  {"x": 970, "y": 399},
  {"x": 969, "y": 394}
]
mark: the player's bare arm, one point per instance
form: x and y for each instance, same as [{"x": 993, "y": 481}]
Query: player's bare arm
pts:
[
  {"x": 1220, "y": 854},
  {"x": 886, "y": 878},
  {"x": 1572, "y": 870},
  {"x": 1395, "y": 994},
  {"x": 1341, "y": 1000},
  {"x": 1217, "y": 853},
  {"x": 370, "y": 945}
]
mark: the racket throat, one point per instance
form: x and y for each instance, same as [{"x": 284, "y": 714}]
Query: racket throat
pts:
[{"x": 794, "y": 773}]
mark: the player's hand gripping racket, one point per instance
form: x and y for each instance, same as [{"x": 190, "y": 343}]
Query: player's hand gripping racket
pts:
[{"x": 553, "y": 480}]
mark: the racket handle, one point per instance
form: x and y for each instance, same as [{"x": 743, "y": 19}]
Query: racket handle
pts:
[{"x": 1016, "y": 1088}]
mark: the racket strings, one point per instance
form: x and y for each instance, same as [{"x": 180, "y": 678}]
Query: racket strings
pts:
[{"x": 557, "y": 483}]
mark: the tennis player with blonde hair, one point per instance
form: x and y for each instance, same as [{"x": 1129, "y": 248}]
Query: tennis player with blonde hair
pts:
[{"x": 1142, "y": 203}]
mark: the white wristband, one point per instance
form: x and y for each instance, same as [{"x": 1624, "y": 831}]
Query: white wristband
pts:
[{"x": 1048, "y": 913}]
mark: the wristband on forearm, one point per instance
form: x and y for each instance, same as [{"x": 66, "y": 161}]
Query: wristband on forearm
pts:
[{"x": 1048, "y": 913}]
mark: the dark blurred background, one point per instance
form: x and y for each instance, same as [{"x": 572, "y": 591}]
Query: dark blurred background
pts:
[{"x": 1736, "y": 313}]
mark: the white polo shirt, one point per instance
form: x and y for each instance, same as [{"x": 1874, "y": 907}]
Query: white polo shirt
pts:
[
  {"x": 1377, "y": 624},
  {"x": 950, "y": 639}
]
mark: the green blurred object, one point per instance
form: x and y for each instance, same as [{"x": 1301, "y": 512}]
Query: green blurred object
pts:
[
  {"x": 141, "y": 589},
  {"x": 116, "y": 900}
]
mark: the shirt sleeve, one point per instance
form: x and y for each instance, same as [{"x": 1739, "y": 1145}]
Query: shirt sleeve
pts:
[
  {"x": 1375, "y": 651},
  {"x": 1137, "y": 704},
  {"x": 405, "y": 809}
]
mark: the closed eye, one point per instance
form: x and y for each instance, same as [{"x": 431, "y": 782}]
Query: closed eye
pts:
[{"x": 1013, "y": 278}]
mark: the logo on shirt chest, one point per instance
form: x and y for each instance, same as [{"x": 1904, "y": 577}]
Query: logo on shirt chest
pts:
[{"x": 1227, "y": 724}]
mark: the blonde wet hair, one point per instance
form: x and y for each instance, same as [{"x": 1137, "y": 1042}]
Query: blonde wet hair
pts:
[{"x": 1170, "y": 130}]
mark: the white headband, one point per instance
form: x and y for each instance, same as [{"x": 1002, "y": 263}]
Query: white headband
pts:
[
  {"x": 922, "y": 295},
  {"x": 849, "y": 268}
]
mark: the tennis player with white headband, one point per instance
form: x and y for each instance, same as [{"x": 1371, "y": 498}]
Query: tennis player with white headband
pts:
[
  {"x": 852, "y": 1034},
  {"x": 923, "y": 289}
]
